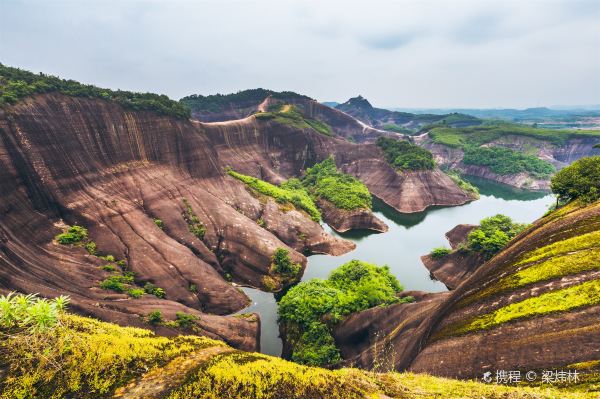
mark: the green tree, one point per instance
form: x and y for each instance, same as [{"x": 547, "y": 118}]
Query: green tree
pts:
[
  {"x": 579, "y": 180},
  {"x": 493, "y": 234}
]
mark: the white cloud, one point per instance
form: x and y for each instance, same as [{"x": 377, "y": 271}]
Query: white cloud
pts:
[{"x": 417, "y": 53}]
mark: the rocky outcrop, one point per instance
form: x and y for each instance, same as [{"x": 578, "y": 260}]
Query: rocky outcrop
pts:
[
  {"x": 407, "y": 192},
  {"x": 455, "y": 267},
  {"x": 66, "y": 160},
  {"x": 506, "y": 315},
  {"x": 342, "y": 220}
]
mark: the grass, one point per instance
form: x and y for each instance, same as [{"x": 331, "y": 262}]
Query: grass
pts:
[
  {"x": 240, "y": 375},
  {"x": 298, "y": 197},
  {"x": 577, "y": 243},
  {"x": 85, "y": 358},
  {"x": 562, "y": 300},
  {"x": 291, "y": 116}
]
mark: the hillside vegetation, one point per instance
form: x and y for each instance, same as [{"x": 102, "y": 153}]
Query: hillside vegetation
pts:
[
  {"x": 219, "y": 102},
  {"x": 290, "y": 115},
  {"x": 310, "y": 309},
  {"x": 291, "y": 193},
  {"x": 505, "y": 161},
  {"x": 403, "y": 155},
  {"x": 16, "y": 84},
  {"x": 78, "y": 357},
  {"x": 324, "y": 180},
  {"x": 494, "y": 130}
]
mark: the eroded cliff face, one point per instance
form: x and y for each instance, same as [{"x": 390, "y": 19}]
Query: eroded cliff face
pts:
[
  {"x": 92, "y": 163},
  {"x": 559, "y": 155},
  {"x": 534, "y": 306}
]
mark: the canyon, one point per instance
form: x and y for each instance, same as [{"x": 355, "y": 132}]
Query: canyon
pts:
[{"x": 79, "y": 161}]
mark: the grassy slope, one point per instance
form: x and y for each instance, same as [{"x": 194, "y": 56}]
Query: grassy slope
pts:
[{"x": 85, "y": 358}]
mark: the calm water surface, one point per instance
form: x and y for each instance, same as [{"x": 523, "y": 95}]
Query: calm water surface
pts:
[{"x": 409, "y": 237}]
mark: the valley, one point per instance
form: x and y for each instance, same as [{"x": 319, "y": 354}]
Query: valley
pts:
[{"x": 194, "y": 220}]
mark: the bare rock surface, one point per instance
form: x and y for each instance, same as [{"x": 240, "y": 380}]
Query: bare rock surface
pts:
[
  {"x": 342, "y": 220},
  {"x": 67, "y": 161}
]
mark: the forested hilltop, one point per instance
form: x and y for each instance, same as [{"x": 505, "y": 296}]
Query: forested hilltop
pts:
[{"x": 16, "y": 84}]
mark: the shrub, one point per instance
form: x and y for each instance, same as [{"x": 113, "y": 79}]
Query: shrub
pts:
[
  {"x": 152, "y": 289},
  {"x": 439, "y": 252},
  {"x": 493, "y": 234},
  {"x": 29, "y": 312},
  {"x": 91, "y": 247},
  {"x": 316, "y": 305},
  {"x": 185, "y": 320},
  {"x": 323, "y": 180},
  {"x": 108, "y": 258},
  {"x": 403, "y": 155},
  {"x": 109, "y": 268},
  {"x": 195, "y": 226},
  {"x": 116, "y": 282},
  {"x": 135, "y": 292},
  {"x": 155, "y": 317},
  {"x": 581, "y": 180},
  {"x": 282, "y": 264},
  {"x": 159, "y": 223},
  {"x": 73, "y": 235}
]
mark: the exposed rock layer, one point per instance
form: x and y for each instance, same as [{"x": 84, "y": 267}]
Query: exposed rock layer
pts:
[
  {"x": 425, "y": 337},
  {"x": 92, "y": 163}
]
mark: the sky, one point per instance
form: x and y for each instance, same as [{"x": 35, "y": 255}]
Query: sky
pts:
[{"x": 411, "y": 54}]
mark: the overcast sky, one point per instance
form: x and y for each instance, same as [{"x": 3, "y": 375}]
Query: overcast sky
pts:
[{"x": 417, "y": 53}]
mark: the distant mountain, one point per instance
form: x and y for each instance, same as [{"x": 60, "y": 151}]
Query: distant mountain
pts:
[
  {"x": 331, "y": 104},
  {"x": 402, "y": 122},
  {"x": 517, "y": 115}
]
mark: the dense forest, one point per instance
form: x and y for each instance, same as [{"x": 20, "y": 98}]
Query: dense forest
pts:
[
  {"x": 403, "y": 155},
  {"x": 218, "y": 102},
  {"x": 16, "y": 84}
]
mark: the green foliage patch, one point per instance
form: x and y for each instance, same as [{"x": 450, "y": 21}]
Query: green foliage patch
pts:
[
  {"x": 291, "y": 193},
  {"x": 403, "y": 155},
  {"x": 505, "y": 161},
  {"x": 466, "y": 186},
  {"x": 439, "y": 252},
  {"x": 562, "y": 300},
  {"x": 19, "y": 312},
  {"x": 245, "y": 98},
  {"x": 581, "y": 180},
  {"x": 290, "y": 115},
  {"x": 73, "y": 235},
  {"x": 195, "y": 226},
  {"x": 493, "y": 234},
  {"x": 491, "y": 131},
  {"x": 316, "y": 305},
  {"x": 16, "y": 84},
  {"x": 342, "y": 190}
]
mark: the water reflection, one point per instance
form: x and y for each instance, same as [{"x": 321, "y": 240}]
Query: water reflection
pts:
[{"x": 409, "y": 237}]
